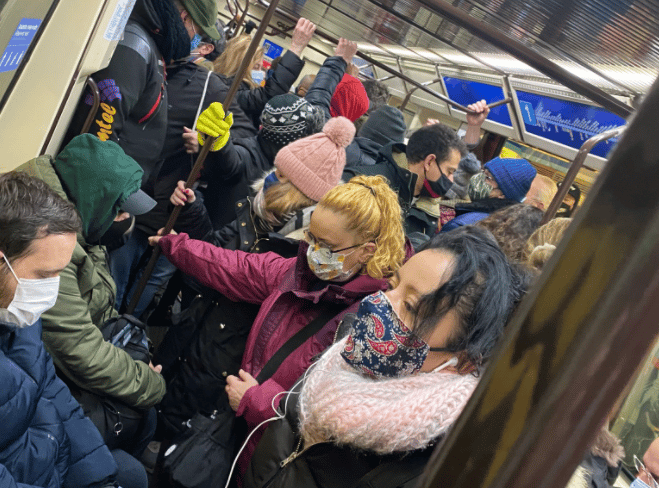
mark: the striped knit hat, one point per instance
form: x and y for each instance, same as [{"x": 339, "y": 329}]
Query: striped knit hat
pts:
[{"x": 284, "y": 119}]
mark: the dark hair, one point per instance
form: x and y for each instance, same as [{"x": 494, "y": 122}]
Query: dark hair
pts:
[
  {"x": 437, "y": 139},
  {"x": 511, "y": 227},
  {"x": 29, "y": 210},
  {"x": 218, "y": 44},
  {"x": 378, "y": 94},
  {"x": 275, "y": 63},
  {"x": 483, "y": 290}
]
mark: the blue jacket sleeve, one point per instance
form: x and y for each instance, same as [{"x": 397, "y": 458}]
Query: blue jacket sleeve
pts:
[
  {"x": 321, "y": 91},
  {"x": 90, "y": 461}
]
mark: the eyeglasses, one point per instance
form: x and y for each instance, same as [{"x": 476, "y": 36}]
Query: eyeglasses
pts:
[
  {"x": 311, "y": 239},
  {"x": 642, "y": 470}
]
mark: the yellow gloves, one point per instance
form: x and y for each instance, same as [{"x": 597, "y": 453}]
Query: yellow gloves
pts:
[{"x": 212, "y": 122}]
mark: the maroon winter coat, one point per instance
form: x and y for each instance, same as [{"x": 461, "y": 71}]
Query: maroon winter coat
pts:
[{"x": 288, "y": 292}]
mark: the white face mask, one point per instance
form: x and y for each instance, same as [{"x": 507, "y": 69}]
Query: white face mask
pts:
[{"x": 31, "y": 299}]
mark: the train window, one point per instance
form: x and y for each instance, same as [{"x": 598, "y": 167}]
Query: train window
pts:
[{"x": 21, "y": 23}]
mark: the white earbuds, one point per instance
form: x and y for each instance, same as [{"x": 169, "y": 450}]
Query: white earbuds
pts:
[{"x": 451, "y": 362}]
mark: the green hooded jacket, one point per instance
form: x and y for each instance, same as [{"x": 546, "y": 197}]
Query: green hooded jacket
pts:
[{"x": 86, "y": 295}]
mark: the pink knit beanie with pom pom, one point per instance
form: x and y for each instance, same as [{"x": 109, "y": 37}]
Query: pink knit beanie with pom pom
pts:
[{"x": 314, "y": 164}]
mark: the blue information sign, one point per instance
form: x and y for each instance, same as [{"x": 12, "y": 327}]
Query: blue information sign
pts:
[
  {"x": 18, "y": 44},
  {"x": 466, "y": 92},
  {"x": 566, "y": 122},
  {"x": 272, "y": 50}
]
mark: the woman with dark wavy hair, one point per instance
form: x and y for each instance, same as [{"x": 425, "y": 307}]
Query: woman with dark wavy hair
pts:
[{"x": 373, "y": 407}]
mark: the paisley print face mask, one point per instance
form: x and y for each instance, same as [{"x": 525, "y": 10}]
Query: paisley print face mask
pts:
[{"x": 381, "y": 345}]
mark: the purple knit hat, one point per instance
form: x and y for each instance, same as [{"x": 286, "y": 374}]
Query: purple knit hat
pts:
[
  {"x": 514, "y": 176},
  {"x": 314, "y": 164}
]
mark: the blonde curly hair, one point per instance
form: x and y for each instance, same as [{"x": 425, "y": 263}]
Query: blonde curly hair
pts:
[
  {"x": 372, "y": 209},
  {"x": 542, "y": 243}
]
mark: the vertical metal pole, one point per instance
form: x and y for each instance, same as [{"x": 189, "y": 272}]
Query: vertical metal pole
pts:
[{"x": 196, "y": 170}]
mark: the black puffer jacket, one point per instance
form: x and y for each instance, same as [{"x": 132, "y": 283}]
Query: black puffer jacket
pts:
[
  {"x": 281, "y": 81},
  {"x": 275, "y": 465},
  {"x": 322, "y": 89},
  {"x": 133, "y": 109},
  {"x": 253, "y": 157},
  {"x": 400, "y": 180},
  {"x": 362, "y": 152}
]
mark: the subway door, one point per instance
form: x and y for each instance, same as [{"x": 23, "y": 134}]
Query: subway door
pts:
[{"x": 55, "y": 45}]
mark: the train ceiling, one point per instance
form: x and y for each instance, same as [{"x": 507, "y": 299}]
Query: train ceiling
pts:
[{"x": 612, "y": 44}]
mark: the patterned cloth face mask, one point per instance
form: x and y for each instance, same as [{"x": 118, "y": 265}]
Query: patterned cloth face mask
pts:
[
  {"x": 381, "y": 345},
  {"x": 327, "y": 264},
  {"x": 478, "y": 187}
]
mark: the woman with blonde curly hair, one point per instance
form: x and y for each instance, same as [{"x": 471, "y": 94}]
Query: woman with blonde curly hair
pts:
[
  {"x": 354, "y": 242},
  {"x": 542, "y": 243}
]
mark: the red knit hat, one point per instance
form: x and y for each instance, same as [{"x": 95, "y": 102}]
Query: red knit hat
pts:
[
  {"x": 314, "y": 164},
  {"x": 350, "y": 99}
]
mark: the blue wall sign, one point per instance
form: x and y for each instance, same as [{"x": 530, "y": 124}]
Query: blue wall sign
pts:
[
  {"x": 272, "y": 50},
  {"x": 566, "y": 122},
  {"x": 466, "y": 92},
  {"x": 18, "y": 44}
]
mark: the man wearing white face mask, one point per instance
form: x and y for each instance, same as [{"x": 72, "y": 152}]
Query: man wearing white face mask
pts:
[{"x": 45, "y": 439}]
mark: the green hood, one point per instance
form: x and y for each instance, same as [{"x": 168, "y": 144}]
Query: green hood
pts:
[{"x": 98, "y": 177}]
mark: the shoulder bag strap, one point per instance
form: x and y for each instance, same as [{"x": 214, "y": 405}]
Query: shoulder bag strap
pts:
[{"x": 296, "y": 341}]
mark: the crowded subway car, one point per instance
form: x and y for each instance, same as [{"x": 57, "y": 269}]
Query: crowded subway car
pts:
[{"x": 320, "y": 243}]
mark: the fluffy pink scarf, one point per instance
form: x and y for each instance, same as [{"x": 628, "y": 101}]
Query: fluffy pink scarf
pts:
[{"x": 340, "y": 405}]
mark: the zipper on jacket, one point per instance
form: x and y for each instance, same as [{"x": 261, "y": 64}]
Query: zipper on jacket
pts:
[{"x": 293, "y": 455}]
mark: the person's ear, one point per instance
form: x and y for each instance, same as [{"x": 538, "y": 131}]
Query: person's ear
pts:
[
  {"x": 184, "y": 15},
  {"x": 429, "y": 161},
  {"x": 368, "y": 252}
]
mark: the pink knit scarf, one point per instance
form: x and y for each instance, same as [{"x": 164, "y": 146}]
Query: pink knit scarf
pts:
[{"x": 340, "y": 405}]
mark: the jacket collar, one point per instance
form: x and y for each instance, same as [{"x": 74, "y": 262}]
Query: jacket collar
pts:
[{"x": 404, "y": 180}]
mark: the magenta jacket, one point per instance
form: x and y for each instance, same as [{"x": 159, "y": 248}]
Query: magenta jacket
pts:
[{"x": 288, "y": 293}]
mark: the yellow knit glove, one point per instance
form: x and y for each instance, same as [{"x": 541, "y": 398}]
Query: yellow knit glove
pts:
[{"x": 212, "y": 122}]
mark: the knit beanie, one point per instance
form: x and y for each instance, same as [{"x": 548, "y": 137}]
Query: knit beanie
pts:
[
  {"x": 350, "y": 99},
  {"x": 385, "y": 125},
  {"x": 284, "y": 119},
  {"x": 315, "y": 163},
  {"x": 514, "y": 176}
]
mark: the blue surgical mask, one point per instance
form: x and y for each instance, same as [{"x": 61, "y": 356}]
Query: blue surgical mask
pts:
[
  {"x": 258, "y": 76},
  {"x": 194, "y": 43},
  {"x": 638, "y": 483},
  {"x": 270, "y": 180}
]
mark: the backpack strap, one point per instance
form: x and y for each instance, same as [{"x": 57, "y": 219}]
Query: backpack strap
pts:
[
  {"x": 393, "y": 474},
  {"x": 297, "y": 340}
]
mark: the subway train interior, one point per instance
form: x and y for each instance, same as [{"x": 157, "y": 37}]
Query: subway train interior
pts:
[{"x": 579, "y": 102}]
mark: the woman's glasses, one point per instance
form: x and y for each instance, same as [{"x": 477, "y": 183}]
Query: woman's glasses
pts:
[{"x": 644, "y": 473}]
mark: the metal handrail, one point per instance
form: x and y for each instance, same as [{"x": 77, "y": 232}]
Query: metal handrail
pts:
[
  {"x": 411, "y": 92},
  {"x": 91, "y": 84},
  {"x": 374, "y": 62},
  {"x": 573, "y": 171},
  {"x": 527, "y": 55}
]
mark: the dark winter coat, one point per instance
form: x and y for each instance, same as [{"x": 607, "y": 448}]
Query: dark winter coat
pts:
[
  {"x": 45, "y": 438},
  {"x": 472, "y": 212},
  {"x": 133, "y": 111},
  {"x": 400, "y": 180},
  {"x": 289, "y": 295},
  {"x": 362, "y": 151},
  {"x": 322, "y": 89}
]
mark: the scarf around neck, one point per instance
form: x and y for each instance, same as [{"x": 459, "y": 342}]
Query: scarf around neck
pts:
[{"x": 338, "y": 404}]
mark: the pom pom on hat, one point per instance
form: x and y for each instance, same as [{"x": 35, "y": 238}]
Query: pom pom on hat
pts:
[
  {"x": 340, "y": 131},
  {"x": 514, "y": 176},
  {"x": 314, "y": 164}
]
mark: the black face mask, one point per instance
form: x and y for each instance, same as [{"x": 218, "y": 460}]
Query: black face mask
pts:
[
  {"x": 118, "y": 233},
  {"x": 436, "y": 189}
]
